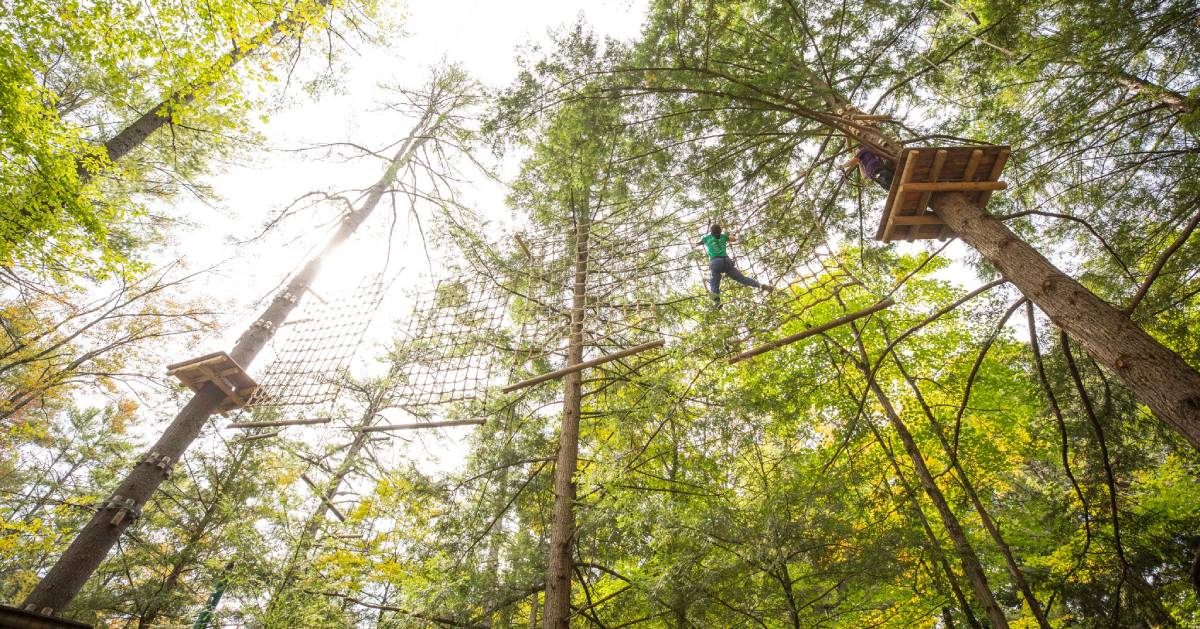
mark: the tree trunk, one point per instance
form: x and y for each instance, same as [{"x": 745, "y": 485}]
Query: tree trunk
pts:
[
  {"x": 137, "y": 131},
  {"x": 1176, "y": 102},
  {"x": 313, "y": 527},
  {"x": 1156, "y": 375},
  {"x": 495, "y": 542},
  {"x": 966, "y": 554},
  {"x": 556, "y": 610},
  {"x": 947, "y": 618},
  {"x": 935, "y": 545},
  {"x": 992, "y": 528},
  {"x": 64, "y": 580}
]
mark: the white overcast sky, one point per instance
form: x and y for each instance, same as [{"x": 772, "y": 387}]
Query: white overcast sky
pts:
[{"x": 482, "y": 36}]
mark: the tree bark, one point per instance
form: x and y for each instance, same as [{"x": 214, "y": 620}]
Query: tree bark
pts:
[
  {"x": 556, "y": 610},
  {"x": 64, "y": 580},
  {"x": 1176, "y": 102},
  {"x": 1157, "y": 376},
  {"x": 935, "y": 545}
]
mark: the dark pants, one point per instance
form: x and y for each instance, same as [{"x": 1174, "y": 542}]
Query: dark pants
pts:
[
  {"x": 884, "y": 178},
  {"x": 724, "y": 266}
]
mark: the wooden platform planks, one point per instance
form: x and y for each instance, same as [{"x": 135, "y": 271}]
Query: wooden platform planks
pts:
[
  {"x": 923, "y": 171},
  {"x": 15, "y": 618},
  {"x": 222, "y": 371}
]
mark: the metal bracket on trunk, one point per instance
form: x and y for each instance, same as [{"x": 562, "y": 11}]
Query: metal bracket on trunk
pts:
[
  {"x": 124, "y": 508},
  {"x": 161, "y": 461}
]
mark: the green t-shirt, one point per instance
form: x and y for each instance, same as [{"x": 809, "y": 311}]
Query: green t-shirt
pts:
[{"x": 715, "y": 244}]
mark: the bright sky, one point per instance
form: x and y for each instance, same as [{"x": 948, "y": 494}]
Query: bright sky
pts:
[{"x": 483, "y": 37}]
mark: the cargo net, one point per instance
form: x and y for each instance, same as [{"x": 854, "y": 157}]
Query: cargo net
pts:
[
  {"x": 453, "y": 345},
  {"x": 504, "y": 314},
  {"x": 805, "y": 277},
  {"x": 317, "y": 346},
  {"x": 506, "y": 311}
]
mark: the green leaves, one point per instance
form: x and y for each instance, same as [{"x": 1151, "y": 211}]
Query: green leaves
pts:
[{"x": 83, "y": 85}]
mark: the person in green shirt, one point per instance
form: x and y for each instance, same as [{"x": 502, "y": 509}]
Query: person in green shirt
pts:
[{"x": 719, "y": 264}]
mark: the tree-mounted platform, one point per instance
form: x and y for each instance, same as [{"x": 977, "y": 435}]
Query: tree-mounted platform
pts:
[
  {"x": 221, "y": 370},
  {"x": 973, "y": 170},
  {"x": 15, "y": 618}
]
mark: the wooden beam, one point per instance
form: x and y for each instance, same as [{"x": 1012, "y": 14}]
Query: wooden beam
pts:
[
  {"x": 787, "y": 340},
  {"x": 968, "y": 175},
  {"x": 997, "y": 168},
  {"x": 935, "y": 171},
  {"x": 973, "y": 165},
  {"x": 558, "y": 373},
  {"x": 524, "y": 247},
  {"x": 265, "y": 435},
  {"x": 419, "y": 425},
  {"x": 286, "y": 422},
  {"x": 910, "y": 162},
  {"x": 225, "y": 385},
  {"x": 953, "y": 186},
  {"x": 205, "y": 359},
  {"x": 922, "y": 219}
]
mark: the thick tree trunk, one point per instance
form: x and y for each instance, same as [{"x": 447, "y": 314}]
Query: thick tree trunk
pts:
[
  {"x": 64, "y": 580},
  {"x": 966, "y": 553},
  {"x": 91, "y": 546},
  {"x": 556, "y": 610},
  {"x": 1158, "y": 377}
]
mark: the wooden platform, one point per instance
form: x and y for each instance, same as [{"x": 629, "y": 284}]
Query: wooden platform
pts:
[
  {"x": 222, "y": 371},
  {"x": 974, "y": 170},
  {"x": 14, "y": 618}
]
